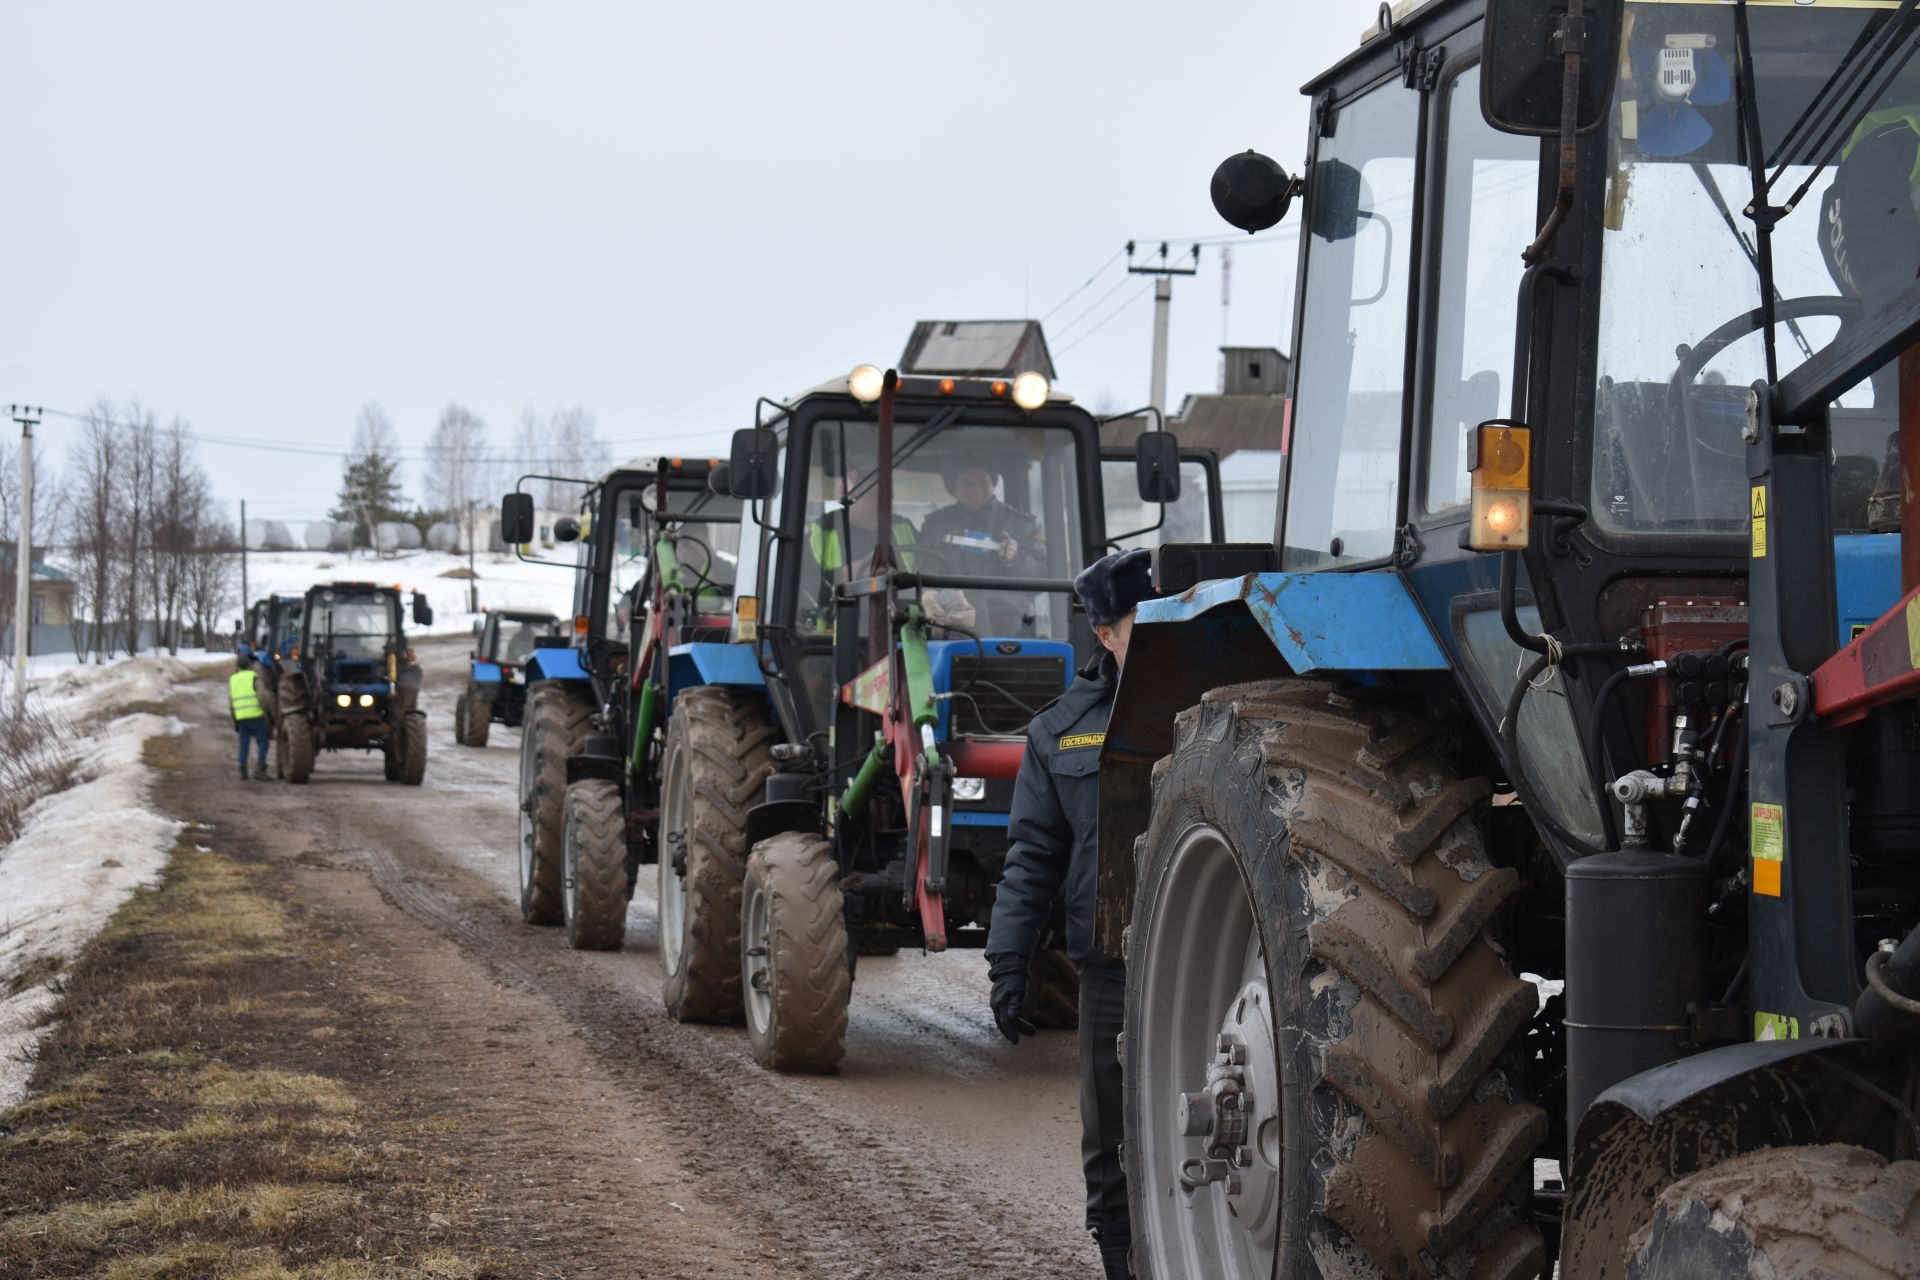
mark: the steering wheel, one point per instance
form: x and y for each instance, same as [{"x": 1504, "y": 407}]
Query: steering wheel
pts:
[{"x": 1696, "y": 358}]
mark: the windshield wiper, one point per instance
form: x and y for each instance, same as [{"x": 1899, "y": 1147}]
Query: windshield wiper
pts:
[
  {"x": 935, "y": 425},
  {"x": 1712, "y": 188}
]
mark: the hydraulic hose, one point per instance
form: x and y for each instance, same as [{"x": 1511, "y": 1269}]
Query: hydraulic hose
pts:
[{"x": 1596, "y": 750}]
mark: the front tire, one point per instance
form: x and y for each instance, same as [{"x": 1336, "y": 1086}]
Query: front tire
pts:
[
  {"x": 296, "y": 747},
  {"x": 718, "y": 754},
  {"x": 1790, "y": 1213},
  {"x": 795, "y": 975},
  {"x": 595, "y": 885},
  {"x": 556, "y": 725},
  {"x": 460, "y": 720},
  {"x": 479, "y": 718},
  {"x": 413, "y": 749},
  {"x": 1311, "y": 991}
]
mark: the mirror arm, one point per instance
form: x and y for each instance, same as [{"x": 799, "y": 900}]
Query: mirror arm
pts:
[{"x": 1572, "y": 38}]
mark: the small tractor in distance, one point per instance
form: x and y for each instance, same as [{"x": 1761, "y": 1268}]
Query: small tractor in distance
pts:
[
  {"x": 497, "y": 688},
  {"x": 351, "y": 681},
  {"x": 273, "y": 628},
  {"x": 1517, "y": 864}
]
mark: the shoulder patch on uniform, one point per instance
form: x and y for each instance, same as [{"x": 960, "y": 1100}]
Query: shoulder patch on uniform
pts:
[{"x": 1073, "y": 740}]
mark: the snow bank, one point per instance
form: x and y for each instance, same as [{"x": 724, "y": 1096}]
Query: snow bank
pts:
[
  {"x": 85, "y": 850},
  {"x": 502, "y": 582}
]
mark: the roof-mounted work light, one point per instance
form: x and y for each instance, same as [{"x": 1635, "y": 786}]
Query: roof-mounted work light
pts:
[
  {"x": 864, "y": 382},
  {"x": 1030, "y": 390}
]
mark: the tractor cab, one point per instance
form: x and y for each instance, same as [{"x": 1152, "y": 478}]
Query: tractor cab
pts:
[
  {"x": 352, "y": 681},
  {"x": 504, "y": 643}
]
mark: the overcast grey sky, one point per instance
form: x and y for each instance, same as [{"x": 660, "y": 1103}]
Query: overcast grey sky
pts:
[{"x": 261, "y": 216}]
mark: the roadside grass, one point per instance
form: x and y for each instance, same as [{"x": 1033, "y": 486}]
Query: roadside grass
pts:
[
  {"x": 36, "y": 759},
  {"x": 189, "y": 1118}
]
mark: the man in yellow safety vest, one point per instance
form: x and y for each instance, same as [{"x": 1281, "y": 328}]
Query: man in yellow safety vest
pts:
[{"x": 249, "y": 717}]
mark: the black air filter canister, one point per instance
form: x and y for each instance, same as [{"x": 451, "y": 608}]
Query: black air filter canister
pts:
[{"x": 1636, "y": 958}]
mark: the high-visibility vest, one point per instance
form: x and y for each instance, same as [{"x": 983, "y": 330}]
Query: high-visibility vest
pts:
[
  {"x": 829, "y": 548},
  {"x": 244, "y": 696}
]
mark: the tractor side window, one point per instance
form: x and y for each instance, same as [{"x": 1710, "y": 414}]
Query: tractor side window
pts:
[
  {"x": 1187, "y": 518},
  {"x": 1487, "y": 206},
  {"x": 1343, "y": 495}
]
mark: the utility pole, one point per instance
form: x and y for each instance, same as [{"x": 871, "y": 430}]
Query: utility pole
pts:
[
  {"x": 1164, "y": 271},
  {"x": 473, "y": 581},
  {"x": 23, "y": 559},
  {"x": 246, "y": 597}
]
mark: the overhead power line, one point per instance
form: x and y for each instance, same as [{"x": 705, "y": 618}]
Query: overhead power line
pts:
[{"x": 1109, "y": 317}]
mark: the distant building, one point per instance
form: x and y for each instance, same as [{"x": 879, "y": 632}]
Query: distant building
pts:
[
  {"x": 49, "y": 595},
  {"x": 977, "y": 348}
]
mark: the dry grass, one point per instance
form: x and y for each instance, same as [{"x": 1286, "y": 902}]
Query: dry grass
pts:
[
  {"x": 36, "y": 759},
  {"x": 187, "y": 1120}
]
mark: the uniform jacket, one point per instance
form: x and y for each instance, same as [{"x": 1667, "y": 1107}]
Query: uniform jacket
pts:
[
  {"x": 992, "y": 520},
  {"x": 1054, "y": 844}
]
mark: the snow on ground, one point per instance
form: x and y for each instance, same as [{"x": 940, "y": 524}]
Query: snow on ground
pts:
[
  {"x": 503, "y": 582},
  {"x": 85, "y": 850}
]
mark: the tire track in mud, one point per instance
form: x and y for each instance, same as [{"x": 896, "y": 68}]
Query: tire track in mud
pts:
[{"x": 826, "y": 1179}]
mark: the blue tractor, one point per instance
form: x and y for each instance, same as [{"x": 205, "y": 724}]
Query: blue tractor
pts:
[
  {"x": 272, "y": 629},
  {"x": 1517, "y": 862},
  {"x": 351, "y": 681},
  {"x": 497, "y": 686}
]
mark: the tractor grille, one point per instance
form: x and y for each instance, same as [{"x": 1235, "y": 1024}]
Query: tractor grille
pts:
[{"x": 996, "y": 688}]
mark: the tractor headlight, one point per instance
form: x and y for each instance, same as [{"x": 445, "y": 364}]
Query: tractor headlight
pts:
[
  {"x": 969, "y": 788},
  {"x": 366, "y": 699},
  {"x": 1030, "y": 390},
  {"x": 864, "y": 382},
  {"x": 345, "y": 699}
]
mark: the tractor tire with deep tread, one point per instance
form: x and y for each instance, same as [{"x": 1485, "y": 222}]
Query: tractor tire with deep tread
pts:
[
  {"x": 413, "y": 749},
  {"x": 1318, "y": 856},
  {"x": 479, "y": 717},
  {"x": 1787, "y": 1213},
  {"x": 595, "y": 884},
  {"x": 719, "y": 751},
  {"x": 1053, "y": 991},
  {"x": 460, "y": 720},
  {"x": 793, "y": 954},
  {"x": 556, "y": 725},
  {"x": 296, "y": 746}
]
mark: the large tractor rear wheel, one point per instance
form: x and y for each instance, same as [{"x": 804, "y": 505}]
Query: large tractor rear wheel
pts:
[
  {"x": 1787, "y": 1213},
  {"x": 296, "y": 746},
  {"x": 718, "y": 754},
  {"x": 795, "y": 974},
  {"x": 594, "y": 896},
  {"x": 413, "y": 748},
  {"x": 1315, "y": 1017},
  {"x": 556, "y": 725}
]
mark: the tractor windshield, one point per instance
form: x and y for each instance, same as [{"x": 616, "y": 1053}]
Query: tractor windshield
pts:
[
  {"x": 357, "y": 625},
  {"x": 513, "y": 641},
  {"x": 1668, "y": 454},
  {"x": 986, "y": 502},
  {"x": 621, "y": 529}
]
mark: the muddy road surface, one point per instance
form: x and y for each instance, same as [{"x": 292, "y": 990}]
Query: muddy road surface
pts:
[{"x": 619, "y": 1141}]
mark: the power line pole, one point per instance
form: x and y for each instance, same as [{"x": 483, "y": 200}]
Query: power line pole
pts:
[
  {"x": 246, "y": 597},
  {"x": 23, "y": 559},
  {"x": 1164, "y": 271}
]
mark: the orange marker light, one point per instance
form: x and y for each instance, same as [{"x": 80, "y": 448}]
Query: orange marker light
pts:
[
  {"x": 580, "y": 625},
  {"x": 946, "y": 386},
  {"x": 1500, "y": 467},
  {"x": 999, "y": 388}
]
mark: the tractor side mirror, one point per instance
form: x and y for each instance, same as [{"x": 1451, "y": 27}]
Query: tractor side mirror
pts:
[
  {"x": 754, "y": 465},
  {"x": 516, "y": 519},
  {"x": 1156, "y": 466},
  {"x": 566, "y": 529},
  {"x": 1524, "y": 61},
  {"x": 422, "y": 611},
  {"x": 1251, "y": 191}
]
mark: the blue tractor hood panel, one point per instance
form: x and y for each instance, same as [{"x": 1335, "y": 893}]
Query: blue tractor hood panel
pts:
[
  {"x": 1321, "y": 621},
  {"x": 555, "y": 664},
  {"x": 707, "y": 663},
  {"x": 486, "y": 672}
]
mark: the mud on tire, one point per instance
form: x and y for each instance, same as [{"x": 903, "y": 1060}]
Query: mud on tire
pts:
[
  {"x": 1350, "y": 850},
  {"x": 479, "y": 718},
  {"x": 295, "y": 747},
  {"x": 717, "y": 758},
  {"x": 793, "y": 954},
  {"x": 594, "y": 892},
  {"x": 556, "y": 724},
  {"x": 1793, "y": 1213}
]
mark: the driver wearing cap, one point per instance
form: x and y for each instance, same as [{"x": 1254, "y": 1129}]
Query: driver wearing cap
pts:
[{"x": 979, "y": 534}]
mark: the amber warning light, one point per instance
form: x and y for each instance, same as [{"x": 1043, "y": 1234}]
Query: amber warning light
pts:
[{"x": 1499, "y": 464}]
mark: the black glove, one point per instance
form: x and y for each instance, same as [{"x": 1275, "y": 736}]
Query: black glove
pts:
[{"x": 1009, "y": 974}]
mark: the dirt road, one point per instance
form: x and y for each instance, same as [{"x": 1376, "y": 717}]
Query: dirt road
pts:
[{"x": 615, "y": 1140}]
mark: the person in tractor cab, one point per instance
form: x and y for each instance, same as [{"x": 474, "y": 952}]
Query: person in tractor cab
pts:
[
  {"x": 979, "y": 534},
  {"x": 249, "y": 717},
  {"x": 1053, "y": 853},
  {"x": 858, "y": 521}
]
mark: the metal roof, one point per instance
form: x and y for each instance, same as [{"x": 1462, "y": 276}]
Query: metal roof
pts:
[{"x": 981, "y": 348}]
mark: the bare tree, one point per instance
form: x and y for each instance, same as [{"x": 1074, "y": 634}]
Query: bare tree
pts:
[
  {"x": 373, "y": 432},
  {"x": 49, "y": 501},
  {"x": 565, "y": 443},
  {"x": 136, "y": 485},
  {"x": 93, "y": 464},
  {"x": 209, "y": 577},
  {"x": 181, "y": 498},
  {"x": 457, "y": 465}
]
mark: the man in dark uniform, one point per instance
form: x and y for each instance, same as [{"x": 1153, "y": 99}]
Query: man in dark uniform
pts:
[
  {"x": 1054, "y": 851},
  {"x": 979, "y": 534}
]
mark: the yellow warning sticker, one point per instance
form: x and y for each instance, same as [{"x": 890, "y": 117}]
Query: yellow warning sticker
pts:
[
  {"x": 1775, "y": 1026},
  {"x": 1768, "y": 842},
  {"x": 1913, "y": 633},
  {"x": 1759, "y": 506},
  {"x": 1073, "y": 740}
]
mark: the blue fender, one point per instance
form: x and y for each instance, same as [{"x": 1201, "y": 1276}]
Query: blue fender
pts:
[
  {"x": 703, "y": 663},
  {"x": 555, "y": 664},
  {"x": 486, "y": 672}
]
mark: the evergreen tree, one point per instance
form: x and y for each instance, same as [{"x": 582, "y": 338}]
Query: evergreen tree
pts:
[{"x": 369, "y": 494}]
